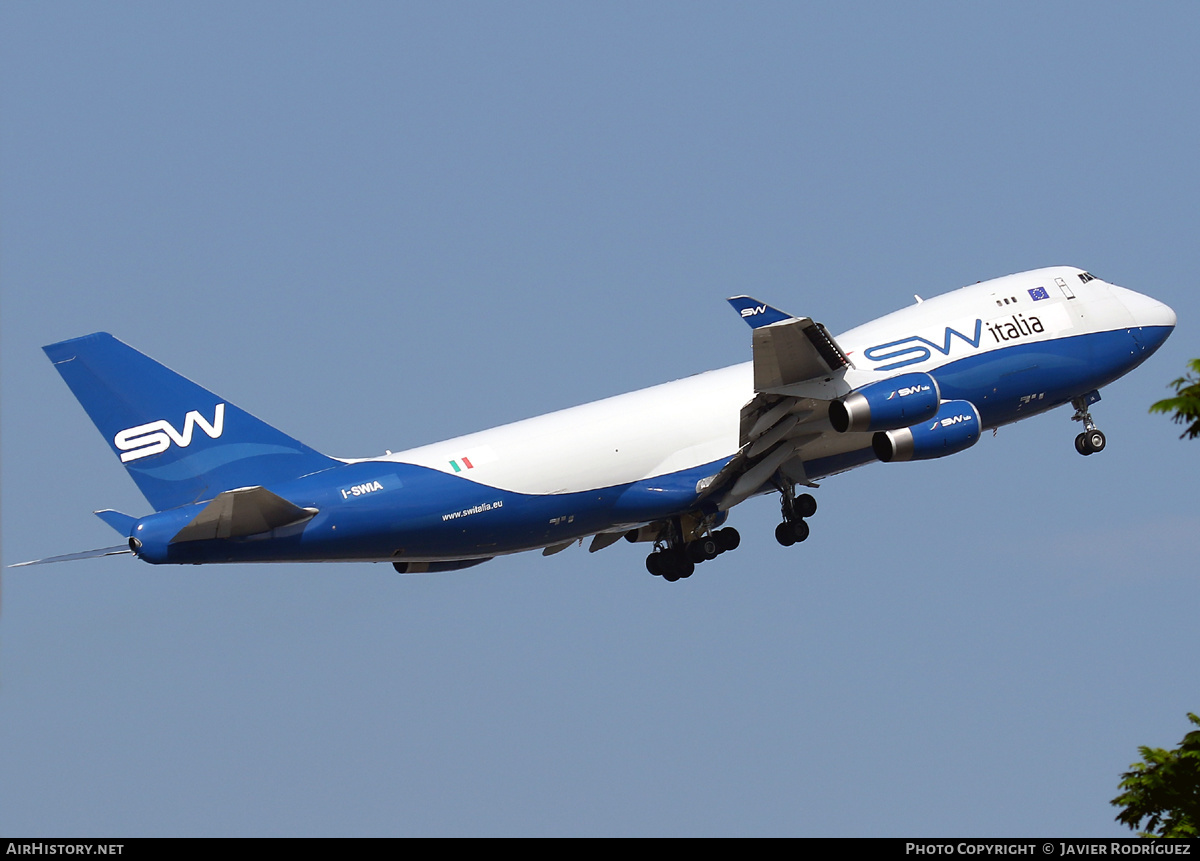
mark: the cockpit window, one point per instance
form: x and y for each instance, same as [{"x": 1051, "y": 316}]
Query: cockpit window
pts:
[{"x": 1085, "y": 277}]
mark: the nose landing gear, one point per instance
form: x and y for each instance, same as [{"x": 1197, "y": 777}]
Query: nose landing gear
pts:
[{"x": 1092, "y": 439}]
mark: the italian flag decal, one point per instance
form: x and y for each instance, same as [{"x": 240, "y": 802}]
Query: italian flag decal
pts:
[{"x": 471, "y": 459}]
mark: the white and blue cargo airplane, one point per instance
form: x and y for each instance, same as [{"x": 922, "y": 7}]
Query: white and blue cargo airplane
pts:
[{"x": 662, "y": 465}]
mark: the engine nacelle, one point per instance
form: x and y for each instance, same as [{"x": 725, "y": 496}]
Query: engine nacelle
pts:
[
  {"x": 890, "y": 404},
  {"x": 955, "y": 427},
  {"x": 437, "y": 567}
]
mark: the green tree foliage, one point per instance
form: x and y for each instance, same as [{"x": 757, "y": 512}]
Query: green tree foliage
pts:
[
  {"x": 1185, "y": 406},
  {"x": 1164, "y": 790}
]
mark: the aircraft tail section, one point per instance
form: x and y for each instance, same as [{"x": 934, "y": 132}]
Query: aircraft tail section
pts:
[{"x": 180, "y": 442}]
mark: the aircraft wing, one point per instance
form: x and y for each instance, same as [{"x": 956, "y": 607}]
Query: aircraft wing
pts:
[
  {"x": 788, "y": 350},
  {"x": 798, "y": 370}
]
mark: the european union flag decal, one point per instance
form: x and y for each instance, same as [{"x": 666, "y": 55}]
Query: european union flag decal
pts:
[{"x": 1039, "y": 293}]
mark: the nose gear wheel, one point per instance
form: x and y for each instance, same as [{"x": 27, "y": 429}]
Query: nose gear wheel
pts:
[{"x": 1092, "y": 439}]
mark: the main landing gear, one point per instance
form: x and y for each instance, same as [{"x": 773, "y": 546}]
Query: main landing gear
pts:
[
  {"x": 1092, "y": 439},
  {"x": 794, "y": 529},
  {"x": 682, "y": 543},
  {"x": 675, "y": 556}
]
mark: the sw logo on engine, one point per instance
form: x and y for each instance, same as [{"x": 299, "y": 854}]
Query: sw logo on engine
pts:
[
  {"x": 905, "y": 391},
  {"x": 156, "y": 437},
  {"x": 951, "y": 421}
]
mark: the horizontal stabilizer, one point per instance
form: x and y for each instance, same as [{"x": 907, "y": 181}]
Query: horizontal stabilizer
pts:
[
  {"x": 123, "y": 523},
  {"x": 71, "y": 557},
  {"x": 245, "y": 511}
]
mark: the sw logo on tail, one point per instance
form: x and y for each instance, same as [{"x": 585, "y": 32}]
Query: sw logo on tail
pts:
[{"x": 155, "y": 437}]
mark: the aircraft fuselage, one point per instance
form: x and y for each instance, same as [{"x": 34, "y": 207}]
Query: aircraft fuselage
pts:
[
  {"x": 1014, "y": 347},
  {"x": 664, "y": 464}
]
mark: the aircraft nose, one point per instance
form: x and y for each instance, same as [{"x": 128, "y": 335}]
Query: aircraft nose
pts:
[
  {"x": 1146, "y": 312},
  {"x": 1153, "y": 321}
]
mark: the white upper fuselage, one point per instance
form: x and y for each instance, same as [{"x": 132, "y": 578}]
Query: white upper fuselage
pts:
[{"x": 694, "y": 421}]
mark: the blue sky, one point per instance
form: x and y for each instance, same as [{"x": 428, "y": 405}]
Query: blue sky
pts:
[{"x": 380, "y": 225}]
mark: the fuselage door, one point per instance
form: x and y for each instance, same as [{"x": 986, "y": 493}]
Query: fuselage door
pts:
[{"x": 1062, "y": 285}]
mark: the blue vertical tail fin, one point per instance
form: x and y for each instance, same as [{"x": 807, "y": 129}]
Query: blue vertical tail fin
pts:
[{"x": 180, "y": 442}]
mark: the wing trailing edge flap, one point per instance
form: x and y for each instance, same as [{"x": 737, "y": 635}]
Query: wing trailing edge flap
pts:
[
  {"x": 798, "y": 369},
  {"x": 599, "y": 541},
  {"x": 774, "y": 432},
  {"x": 792, "y": 352},
  {"x": 240, "y": 512},
  {"x": 605, "y": 539}
]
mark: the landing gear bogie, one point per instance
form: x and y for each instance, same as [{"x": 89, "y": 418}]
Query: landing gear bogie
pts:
[
  {"x": 675, "y": 559},
  {"x": 794, "y": 509}
]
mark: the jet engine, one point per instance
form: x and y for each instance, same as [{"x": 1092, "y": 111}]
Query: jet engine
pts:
[
  {"x": 955, "y": 427},
  {"x": 890, "y": 404},
  {"x": 435, "y": 567}
]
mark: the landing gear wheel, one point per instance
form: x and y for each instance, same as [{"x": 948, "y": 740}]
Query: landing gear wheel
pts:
[
  {"x": 728, "y": 539},
  {"x": 1090, "y": 442},
  {"x": 671, "y": 565},
  {"x": 701, "y": 550},
  {"x": 791, "y": 532},
  {"x": 806, "y": 505}
]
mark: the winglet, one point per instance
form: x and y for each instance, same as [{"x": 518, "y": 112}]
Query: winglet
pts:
[{"x": 757, "y": 314}]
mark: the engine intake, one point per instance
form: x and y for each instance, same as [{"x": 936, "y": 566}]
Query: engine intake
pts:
[
  {"x": 955, "y": 427},
  {"x": 890, "y": 404}
]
